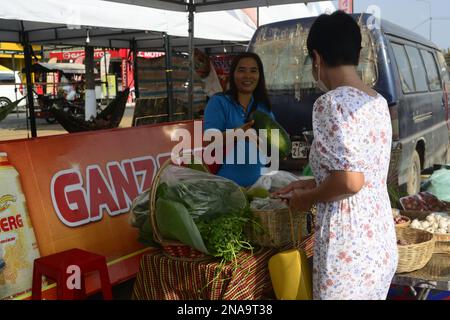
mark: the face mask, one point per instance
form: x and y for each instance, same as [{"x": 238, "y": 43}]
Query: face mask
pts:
[{"x": 319, "y": 83}]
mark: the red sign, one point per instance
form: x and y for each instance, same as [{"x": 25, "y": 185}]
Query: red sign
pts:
[
  {"x": 79, "y": 188},
  {"x": 149, "y": 55},
  {"x": 222, "y": 64},
  {"x": 346, "y": 6},
  {"x": 98, "y": 54}
]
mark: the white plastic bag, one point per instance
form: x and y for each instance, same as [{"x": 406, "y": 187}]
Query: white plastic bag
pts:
[{"x": 275, "y": 180}]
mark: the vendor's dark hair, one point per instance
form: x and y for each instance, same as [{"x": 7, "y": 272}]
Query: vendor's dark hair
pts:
[
  {"x": 337, "y": 38},
  {"x": 260, "y": 93}
]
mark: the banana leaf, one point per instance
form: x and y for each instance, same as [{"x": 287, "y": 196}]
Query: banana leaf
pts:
[
  {"x": 4, "y": 111},
  {"x": 175, "y": 222}
]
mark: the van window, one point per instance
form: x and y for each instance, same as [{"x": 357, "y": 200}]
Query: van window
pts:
[
  {"x": 404, "y": 68},
  {"x": 7, "y": 78},
  {"x": 418, "y": 69},
  {"x": 288, "y": 66},
  {"x": 432, "y": 72}
]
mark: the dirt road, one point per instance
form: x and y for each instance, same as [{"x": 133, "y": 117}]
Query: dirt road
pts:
[{"x": 14, "y": 126}]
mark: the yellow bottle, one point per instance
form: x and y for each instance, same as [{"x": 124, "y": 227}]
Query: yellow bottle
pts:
[{"x": 18, "y": 247}]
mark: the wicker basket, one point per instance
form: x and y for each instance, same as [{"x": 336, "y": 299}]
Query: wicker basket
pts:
[
  {"x": 416, "y": 255},
  {"x": 404, "y": 224},
  {"x": 171, "y": 248},
  {"x": 279, "y": 228}
]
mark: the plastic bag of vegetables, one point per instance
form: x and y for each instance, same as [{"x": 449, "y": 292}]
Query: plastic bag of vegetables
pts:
[
  {"x": 202, "y": 210},
  {"x": 140, "y": 218}
]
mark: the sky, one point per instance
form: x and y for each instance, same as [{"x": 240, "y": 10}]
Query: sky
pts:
[{"x": 410, "y": 13}]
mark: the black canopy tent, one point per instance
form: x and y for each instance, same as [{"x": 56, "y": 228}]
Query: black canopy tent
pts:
[{"x": 193, "y": 6}]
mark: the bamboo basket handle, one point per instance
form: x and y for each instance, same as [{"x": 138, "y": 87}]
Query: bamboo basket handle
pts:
[{"x": 291, "y": 223}]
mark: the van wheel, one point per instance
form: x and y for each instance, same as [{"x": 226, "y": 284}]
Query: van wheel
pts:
[
  {"x": 413, "y": 185},
  {"x": 4, "y": 102}
]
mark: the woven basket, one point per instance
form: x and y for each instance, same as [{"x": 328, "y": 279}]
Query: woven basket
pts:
[
  {"x": 279, "y": 227},
  {"x": 171, "y": 248},
  {"x": 404, "y": 224},
  {"x": 416, "y": 255}
]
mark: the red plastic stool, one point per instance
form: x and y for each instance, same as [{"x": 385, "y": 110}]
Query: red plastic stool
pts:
[{"x": 56, "y": 266}]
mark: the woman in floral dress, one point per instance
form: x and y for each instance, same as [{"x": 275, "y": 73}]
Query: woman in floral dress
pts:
[{"x": 355, "y": 253}]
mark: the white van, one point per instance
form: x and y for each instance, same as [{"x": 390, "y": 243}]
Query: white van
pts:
[{"x": 10, "y": 83}]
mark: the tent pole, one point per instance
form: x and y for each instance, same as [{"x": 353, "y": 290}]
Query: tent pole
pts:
[
  {"x": 90, "y": 106},
  {"x": 191, "y": 8},
  {"x": 169, "y": 84},
  {"x": 135, "y": 69},
  {"x": 30, "y": 98}
]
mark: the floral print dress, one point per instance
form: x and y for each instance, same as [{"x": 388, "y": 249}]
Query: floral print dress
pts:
[{"x": 355, "y": 253}]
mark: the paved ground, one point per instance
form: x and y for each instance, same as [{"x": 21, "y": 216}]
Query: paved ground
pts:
[{"x": 14, "y": 126}]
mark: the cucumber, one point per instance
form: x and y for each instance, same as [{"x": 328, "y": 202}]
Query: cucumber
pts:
[{"x": 264, "y": 121}]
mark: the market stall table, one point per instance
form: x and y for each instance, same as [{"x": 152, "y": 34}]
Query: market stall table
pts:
[
  {"x": 435, "y": 275},
  {"x": 164, "y": 278}
]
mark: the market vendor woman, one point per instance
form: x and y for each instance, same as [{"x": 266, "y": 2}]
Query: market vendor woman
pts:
[
  {"x": 355, "y": 249},
  {"x": 230, "y": 110}
]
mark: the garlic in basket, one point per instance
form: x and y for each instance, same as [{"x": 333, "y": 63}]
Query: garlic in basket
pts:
[
  {"x": 415, "y": 224},
  {"x": 429, "y": 229},
  {"x": 443, "y": 224},
  {"x": 425, "y": 224},
  {"x": 441, "y": 231}
]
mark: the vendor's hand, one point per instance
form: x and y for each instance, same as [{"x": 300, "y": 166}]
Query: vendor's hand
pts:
[
  {"x": 247, "y": 125},
  {"x": 296, "y": 185},
  {"x": 252, "y": 134}
]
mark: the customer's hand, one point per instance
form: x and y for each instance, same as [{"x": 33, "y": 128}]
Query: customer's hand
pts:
[
  {"x": 300, "y": 201},
  {"x": 296, "y": 185}
]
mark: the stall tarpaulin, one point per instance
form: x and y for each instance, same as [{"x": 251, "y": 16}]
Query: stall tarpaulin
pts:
[{"x": 79, "y": 189}]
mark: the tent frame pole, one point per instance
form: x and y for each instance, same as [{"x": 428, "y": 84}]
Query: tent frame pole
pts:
[
  {"x": 169, "y": 83},
  {"x": 30, "y": 97},
  {"x": 191, "y": 8},
  {"x": 135, "y": 69}
]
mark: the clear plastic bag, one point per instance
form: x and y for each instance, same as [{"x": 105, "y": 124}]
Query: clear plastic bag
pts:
[
  {"x": 200, "y": 192},
  {"x": 140, "y": 209},
  {"x": 275, "y": 180}
]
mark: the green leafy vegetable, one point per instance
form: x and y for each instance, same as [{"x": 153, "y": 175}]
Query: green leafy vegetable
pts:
[{"x": 175, "y": 222}]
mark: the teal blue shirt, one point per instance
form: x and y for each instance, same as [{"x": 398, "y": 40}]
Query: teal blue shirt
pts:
[{"x": 223, "y": 112}]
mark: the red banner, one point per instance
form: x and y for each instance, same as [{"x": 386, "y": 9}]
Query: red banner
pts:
[{"x": 79, "y": 188}]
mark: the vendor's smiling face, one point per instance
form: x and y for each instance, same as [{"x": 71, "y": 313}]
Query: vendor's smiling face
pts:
[{"x": 246, "y": 75}]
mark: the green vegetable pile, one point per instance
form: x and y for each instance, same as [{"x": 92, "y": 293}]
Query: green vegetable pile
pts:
[{"x": 224, "y": 234}]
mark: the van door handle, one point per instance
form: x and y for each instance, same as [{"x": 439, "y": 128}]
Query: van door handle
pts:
[{"x": 422, "y": 117}]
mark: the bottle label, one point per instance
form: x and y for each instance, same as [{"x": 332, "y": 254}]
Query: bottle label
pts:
[{"x": 18, "y": 247}]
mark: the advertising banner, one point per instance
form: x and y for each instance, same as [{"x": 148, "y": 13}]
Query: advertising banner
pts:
[{"x": 79, "y": 190}]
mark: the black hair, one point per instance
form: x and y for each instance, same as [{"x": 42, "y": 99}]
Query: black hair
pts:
[
  {"x": 337, "y": 38},
  {"x": 260, "y": 93}
]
